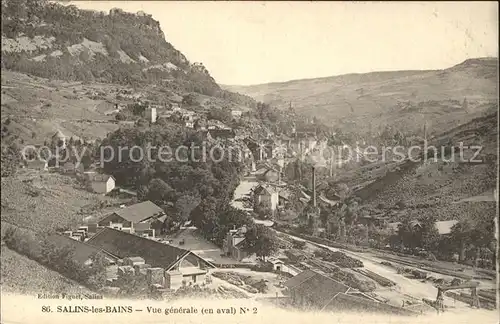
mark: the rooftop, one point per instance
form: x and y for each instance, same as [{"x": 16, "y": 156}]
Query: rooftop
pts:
[
  {"x": 99, "y": 177},
  {"x": 139, "y": 212},
  {"x": 122, "y": 245},
  {"x": 81, "y": 252}
]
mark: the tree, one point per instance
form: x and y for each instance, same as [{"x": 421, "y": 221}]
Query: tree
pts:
[
  {"x": 263, "y": 212},
  {"x": 429, "y": 233},
  {"x": 96, "y": 273},
  {"x": 204, "y": 216},
  {"x": 159, "y": 192},
  {"x": 475, "y": 233},
  {"x": 223, "y": 115},
  {"x": 120, "y": 116},
  {"x": 184, "y": 205},
  {"x": 407, "y": 234},
  {"x": 358, "y": 234},
  {"x": 260, "y": 240},
  {"x": 10, "y": 159},
  {"x": 190, "y": 100},
  {"x": 379, "y": 237}
]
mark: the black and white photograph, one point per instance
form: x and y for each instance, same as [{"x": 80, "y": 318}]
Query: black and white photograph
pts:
[{"x": 249, "y": 162}]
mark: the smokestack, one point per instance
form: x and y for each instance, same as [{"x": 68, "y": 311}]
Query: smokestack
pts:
[
  {"x": 425, "y": 130},
  {"x": 314, "y": 185}
]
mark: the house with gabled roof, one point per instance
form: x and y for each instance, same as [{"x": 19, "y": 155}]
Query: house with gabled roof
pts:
[
  {"x": 234, "y": 243},
  {"x": 444, "y": 227},
  {"x": 266, "y": 195},
  {"x": 142, "y": 218},
  {"x": 100, "y": 183},
  {"x": 313, "y": 289},
  {"x": 179, "y": 265},
  {"x": 267, "y": 173},
  {"x": 220, "y": 134}
]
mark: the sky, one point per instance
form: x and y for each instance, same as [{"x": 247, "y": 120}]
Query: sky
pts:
[{"x": 243, "y": 43}]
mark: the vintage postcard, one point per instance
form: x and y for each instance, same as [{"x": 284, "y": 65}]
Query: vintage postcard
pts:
[{"x": 249, "y": 162}]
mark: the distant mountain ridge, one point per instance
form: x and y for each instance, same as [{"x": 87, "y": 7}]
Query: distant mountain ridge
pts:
[{"x": 366, "y": 102}]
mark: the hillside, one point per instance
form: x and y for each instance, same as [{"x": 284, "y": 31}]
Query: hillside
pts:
[
  {"x": 438, "y": 187},
  {"x": 406, "y": 99},
  {"x": 65, "y": 69},
  {"x": 54, "y": 41}
]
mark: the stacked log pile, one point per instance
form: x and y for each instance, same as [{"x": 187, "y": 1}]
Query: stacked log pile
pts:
[
  {"x": 245, "y": 282},
  {"x": 383, "y": 281},
  {"x": 339, "y": 258}
]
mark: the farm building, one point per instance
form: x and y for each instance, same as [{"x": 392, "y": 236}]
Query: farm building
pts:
[
  {"x": 267, "y": 196},
  {"x": 313, "y": 289},
  {"x": 267, "y": 174},
  {"x": 71, "y": 168},
  {"x": 100, "y": 183},
  {"x": 220, "y": 134},
  {"x": 236, "y": 113},
  {"x": 144, "y": 218},
  {"x": 276, "y": 263},
  {"x": 178, "y": 265}
]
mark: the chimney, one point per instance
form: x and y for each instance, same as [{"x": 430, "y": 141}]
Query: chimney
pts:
[
  {"x": 314, "y": 185},
  {"x": 425, "y": 130}
]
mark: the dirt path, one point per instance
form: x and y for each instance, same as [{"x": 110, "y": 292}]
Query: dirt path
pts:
[{"x": 243, "y": 189}]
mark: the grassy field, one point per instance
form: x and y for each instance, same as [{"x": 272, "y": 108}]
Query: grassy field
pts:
[
  {"x": 44, "y": 201},
  {"x": 39, "y": 107},
  {"x": 22, "y": 275}
]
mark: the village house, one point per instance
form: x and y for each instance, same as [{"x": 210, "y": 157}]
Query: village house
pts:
[
  {"x": 276, "y": 263},
  {"x": 145, "y": 219},
  {"x": 178, "y": 266},
  {"x": 236, "y": 113},
  {"x": 58, "y": 140},
  {"x": 312, "y": 289},
  {"x": 267, "y": 196},
  {"x": 443, "y": 227},
  {"x": 72, "y": 168},
  {"x": 150, "y": 114},
  {"x": 216, "y": 124},
  {"x": 220, "y": 134},
  {"x": 329, "y": 203},
  {"x": 284, "y": 197},
  {"x": 267, "y": 174},
  {"x": 375, "y": 220},
  {"x": 100, "y": 183},
  {"x": 188, "y": 115},
  {"x": 233, "y": 244}
]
